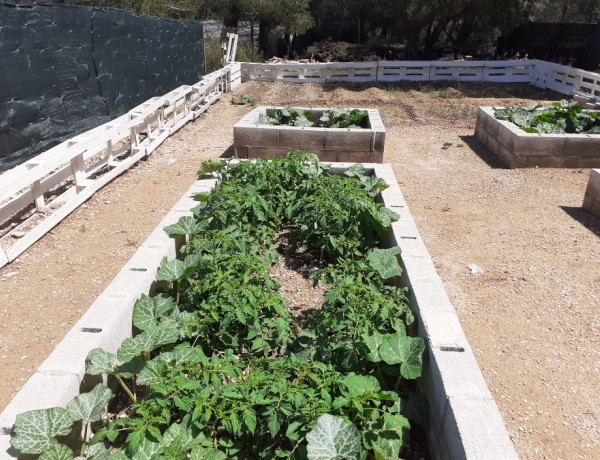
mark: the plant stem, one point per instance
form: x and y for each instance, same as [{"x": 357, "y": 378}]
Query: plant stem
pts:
[{"x": 120, "y": 380}]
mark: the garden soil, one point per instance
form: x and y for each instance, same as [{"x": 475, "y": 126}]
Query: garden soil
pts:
[{"x": 531, "y": 315}]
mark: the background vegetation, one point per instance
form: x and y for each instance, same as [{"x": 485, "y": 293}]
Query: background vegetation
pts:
[{"x": 422, "y": 27}]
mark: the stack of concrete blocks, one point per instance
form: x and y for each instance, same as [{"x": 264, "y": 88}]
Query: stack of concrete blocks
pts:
[
  {"x": 587, "y": 101},
  {"x": 591, "y": 201},
  {"x": 518, "y": 149},
  {"x": 253, "y": 140}
]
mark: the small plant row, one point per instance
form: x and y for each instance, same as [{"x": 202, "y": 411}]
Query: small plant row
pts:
[
  {"x": 562, "y": 117},
  {"x": 221, "y": 369},
  {"x": 333, "y": 118}
]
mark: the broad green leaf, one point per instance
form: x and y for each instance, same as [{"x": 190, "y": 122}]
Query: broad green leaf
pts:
[
  {"x": 372, "y": 341},
  {"x": 101, "y": 362},
  {"x": 57, "y": 452},
  {"x": 210, "y": 166},
  {"x": 186, "y": 225},
  {"x": 89, "y": 407},
  {"x": 147, "y": 341},
  {"x": 361, "y": 384},
  {"x": 207, "y": 453},
  {"x": 332, "y": 438},
  {"x": 35, "y": 430},
  {"x": 153, "y": 372},
  {"x": 149, "y": 450},
  {"x": 148, "y": 310},
  {"x": 384, "y": 261},
  {"x": 170, "y": 270},
  {"x": 119, "y": 455},
  {"x": 180, "y": 435},
  {"x": 131, "y": 367},
  {"x": 386, "y": 216},
  {"x": 99, "y": 451},
  {"x": 406, "y": 351},
  {"x": 356, "y": 170},
  {"x": 386, "y": 448}
]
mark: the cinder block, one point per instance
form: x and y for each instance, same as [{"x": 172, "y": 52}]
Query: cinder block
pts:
[
  {"x": 442, "y": 328},
  {"x": 348, "y": 140},
  {"x": 262, "y": 152},
  {"x": 474, "y": 429},
  {"x": 492, "y": 144},
  {"x": 588, "y": 201},
  {"x": 257, "y": 136},
  {"x": 360, "y": 156},
  {"x": 109, "y": 320},
  {"x": 536, "y": 145},
  {"x": 595, "y": 208},
  {"x": 582, "y": 146},
  {"x": 240, "y": 151},
  {"x": 327, "y": 155},
  {"x": 481, "y": 133},
  {"x": 430, "y": 297},
  {"x": 482, "y": 119},
  {"x": 302, "y": 138},
  {"x": 41, "y": 391},
  {"x": 551, "y": 162},
  {"x": 506, "y": 135},
  {"x": 506, "y": 156},
  {"x": 379, "y": 141}
]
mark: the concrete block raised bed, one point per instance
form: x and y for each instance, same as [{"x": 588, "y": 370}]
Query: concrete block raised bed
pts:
[
  {"x": 591, "y": 201},
  {"x": 252, "y": 140},
  {"x": 518, "y": 149},
  {"x": 464, "y": 421}
]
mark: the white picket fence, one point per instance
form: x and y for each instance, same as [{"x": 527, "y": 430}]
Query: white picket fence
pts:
[
  {"x": 564, "y": 79},
  {"x": 39, "y": 193}
]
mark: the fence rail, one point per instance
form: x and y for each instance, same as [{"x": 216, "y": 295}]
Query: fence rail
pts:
[
  {"x": 38, "y": 194},
  {"x": 566, "y": 80}
]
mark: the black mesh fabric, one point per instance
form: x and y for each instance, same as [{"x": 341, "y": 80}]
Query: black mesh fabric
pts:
[{"x": 65, "y": 69}]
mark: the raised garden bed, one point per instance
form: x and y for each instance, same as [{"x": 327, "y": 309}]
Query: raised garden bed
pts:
[
  {"x": 254, "y": 140},
  {"x": 518, "y": 149},
  {"x": 463, "y": 419}
]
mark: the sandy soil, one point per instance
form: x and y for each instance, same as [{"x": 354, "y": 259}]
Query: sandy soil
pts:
[{"x": 530, "y": 317}]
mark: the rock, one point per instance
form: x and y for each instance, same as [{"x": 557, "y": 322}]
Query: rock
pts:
[{"x": 475, "y": 269}]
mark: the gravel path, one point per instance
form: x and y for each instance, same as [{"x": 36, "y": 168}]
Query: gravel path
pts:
[{"x": 530, "y": 317}]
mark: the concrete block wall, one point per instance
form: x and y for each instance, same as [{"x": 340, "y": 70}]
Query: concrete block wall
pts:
[
  {"x": 591, "y": 201},
  {"x": 518, "y": 149},
  {"x": 251, "y": 140}
]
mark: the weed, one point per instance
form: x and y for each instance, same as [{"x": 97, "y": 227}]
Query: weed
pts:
[
  {"x": 82, "y": 228},
  {"x": 446, "y": 208},
  {"x": 131, "y": 242},
  {"x": 446, "y": 145}
]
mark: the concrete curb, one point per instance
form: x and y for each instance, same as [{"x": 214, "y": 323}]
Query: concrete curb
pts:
[{"x": 464, "y": 420}]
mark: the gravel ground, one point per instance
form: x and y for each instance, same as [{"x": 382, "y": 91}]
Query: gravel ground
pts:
[{"x": 530, "y": 317}]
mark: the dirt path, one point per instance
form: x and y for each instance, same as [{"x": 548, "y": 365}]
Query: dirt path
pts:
[{"x": 531, "y": 317}]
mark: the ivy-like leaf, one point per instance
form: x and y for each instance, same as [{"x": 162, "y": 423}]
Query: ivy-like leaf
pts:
[
  {"x": 386, "y": 216},
  {"x": 57, "y": 452},
  {"x": 332, "y": 438},
  {"x": 89, "y": 407},
  {"x": 204, "y": 453},
  {"x": 356, "y": 170},
  {"x": 152, "y": 372},
  {"x": 210, "y": 166},
  {"x": 149, "y": 450},
  {"x": 360, "y": 384},
  {"x": 384, "y": 261},
  {"x": 35, "y": 430},
  {"x": 147, "y": 341},
  {"x": 406, "y": 351},
  {"x": 170, "y": 270},
  {"x": 99, "y": 451},
  {"x": 372, "y": 342},
  {"x": 148, "y": 310},
  {"x": 101, "y": 362},
  {"x": 186, "y": 225}
]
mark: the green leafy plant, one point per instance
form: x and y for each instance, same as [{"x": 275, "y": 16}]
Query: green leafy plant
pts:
[
  {"x": 562, "y": 117},
  {"x": 333, "y": 118},
  {"x": 220, "y": 369}
]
